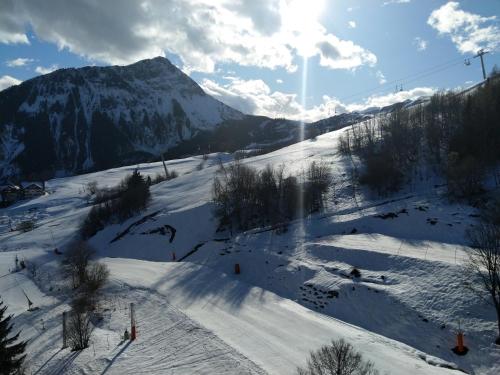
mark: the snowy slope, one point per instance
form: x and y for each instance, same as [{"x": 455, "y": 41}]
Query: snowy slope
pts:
[
  {"x": 273, "y": 331},
  {"x": 402, "y": 312}
]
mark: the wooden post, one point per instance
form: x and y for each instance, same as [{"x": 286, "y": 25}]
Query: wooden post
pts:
[
  {"x": 237, "y": 268},
  {"x": 164, "y": 166},
  {"x": 64, "y": 332},
  {"x": 133, "y": 332}
]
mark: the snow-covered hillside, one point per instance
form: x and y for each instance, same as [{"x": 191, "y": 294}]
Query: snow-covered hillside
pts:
[{"x": 294, "y": 292}]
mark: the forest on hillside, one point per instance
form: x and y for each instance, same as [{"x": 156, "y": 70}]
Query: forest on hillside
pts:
[{"x": 455, "y": 134}]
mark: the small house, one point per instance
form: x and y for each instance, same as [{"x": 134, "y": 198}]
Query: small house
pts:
[
  {"x": 32, "y": 190},
  {"x": 10, "y": 193}
]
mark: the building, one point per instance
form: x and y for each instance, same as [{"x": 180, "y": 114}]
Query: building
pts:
[
  {"x": 10, "y": 193},
  {"x": 32, "y": 190}
]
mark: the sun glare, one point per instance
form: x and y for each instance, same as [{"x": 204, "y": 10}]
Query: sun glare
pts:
[{"x": 301, "y": 18}]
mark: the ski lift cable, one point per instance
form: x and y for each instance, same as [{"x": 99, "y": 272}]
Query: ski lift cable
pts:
[
  {"x": 431, "y": 73},
  {"x": 409, "y": 78}
]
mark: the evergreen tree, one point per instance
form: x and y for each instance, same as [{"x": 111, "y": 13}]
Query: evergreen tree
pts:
[{"x": 11, "y": 353}]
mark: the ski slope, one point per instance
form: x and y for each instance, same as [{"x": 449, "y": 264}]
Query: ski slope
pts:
[
  {"x": 402, "y": 313},
  {"x": 274, "y": 331}
]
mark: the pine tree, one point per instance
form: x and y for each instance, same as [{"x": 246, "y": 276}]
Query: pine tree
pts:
[{"x": 11, "y": 353}]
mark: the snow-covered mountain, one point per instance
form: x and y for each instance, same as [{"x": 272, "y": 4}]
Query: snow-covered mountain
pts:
[{"x": 75, "y": 120}]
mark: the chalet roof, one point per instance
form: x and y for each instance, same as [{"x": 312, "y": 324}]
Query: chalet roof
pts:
[
  {"x": 9, "y": 187},
  {"x": 32, "y": 185}
]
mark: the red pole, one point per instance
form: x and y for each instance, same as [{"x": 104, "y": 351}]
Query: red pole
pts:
[
  {"x": 460, "y": 342},
  {"x": 460, "y": 348},
  {"x": 237, "y": 268}
]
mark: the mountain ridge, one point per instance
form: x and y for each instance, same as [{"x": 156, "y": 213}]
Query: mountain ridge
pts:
[
  {"x": 79, "y": 120},
  {"x": 60, "y": 122}
]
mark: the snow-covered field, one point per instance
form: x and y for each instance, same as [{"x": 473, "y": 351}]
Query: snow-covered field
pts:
[{"x": 294, "y": 292}]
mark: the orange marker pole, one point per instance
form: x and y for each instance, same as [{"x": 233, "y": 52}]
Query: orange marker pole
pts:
[{"x": 460, "y": 342}]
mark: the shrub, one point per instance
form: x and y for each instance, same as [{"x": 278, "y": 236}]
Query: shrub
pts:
[
  {"x": 26, "y": 226},
  {"x": 106, "y": 195},
  {"x": 79, "y": 329},
  {"x": 160, "y": 177},
  {"x": 381, "y": 173},
  {"x": 97, "y": 276},
  {"x": 318, "y": 179},
  {"x": 355, "y": 273},
  {"x": 464, "y": 176},
  {"x": 75, "y": 262},
  {"x": 92, "y": 187},
  {"x": 338, "y": 358},
  {"x": 345, "y": 143}
]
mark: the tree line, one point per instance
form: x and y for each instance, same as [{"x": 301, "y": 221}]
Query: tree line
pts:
[
  {"x": 118, "y": 204},
  {"x": 456, "y": 135},
  {"x": 247, "y": 198}
]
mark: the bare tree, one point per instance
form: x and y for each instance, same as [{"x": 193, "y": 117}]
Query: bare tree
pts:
[
  {"x": 79, "y": 329},
  {"x": 318, "y": 179},
  {"x": 32, "y": 268},
  {"x": 484, "y": 261},
  {"x": 26, "y": 226},
  {"x": 76, "y": 260},
  {"x": 338, "y": 358},
  {"x": 97, "y": 276},
  {"x": 92, "y": 187}
]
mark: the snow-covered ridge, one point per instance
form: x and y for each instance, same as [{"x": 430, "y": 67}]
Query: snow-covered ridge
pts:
[
  {"x": 72, "y": 114},
  {"x": 147, "y": 86}
]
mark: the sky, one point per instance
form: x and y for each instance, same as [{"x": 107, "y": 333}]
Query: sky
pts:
[{"x": 298, "y": 59}]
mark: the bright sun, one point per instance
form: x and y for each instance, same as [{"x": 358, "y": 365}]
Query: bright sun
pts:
[
  {"x": 301, "y": 18},
  {"x": 305, "y": 10}
]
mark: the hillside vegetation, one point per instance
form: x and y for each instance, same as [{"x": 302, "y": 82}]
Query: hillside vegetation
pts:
[{"x": 455, "y": 135}]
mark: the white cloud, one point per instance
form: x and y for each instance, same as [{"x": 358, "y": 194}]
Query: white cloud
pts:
[
  {"x": 21, "y": 61},
  {"x": 352, "y": 24},
  {"x": 381, "y": 77},
  {"x": 203, "y": 33},
  {"x": 46, "y": 70},
  {"x": 420, "y": 43},
  {"x": 7, "y": 81},
  {"x": 12, "y": 28},
  {"x": 389, "y": 2},
  {"x": 388, "y": 99},
  {"x": 256, "y": 97},
  {"x": 468, "y": 31},
  {"x": 280, "y": 81},
  {"x": 343, "y": 54}
]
